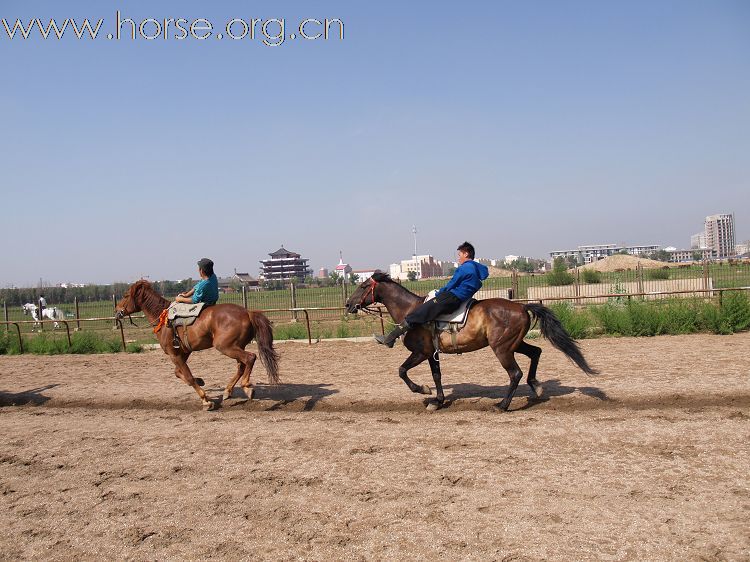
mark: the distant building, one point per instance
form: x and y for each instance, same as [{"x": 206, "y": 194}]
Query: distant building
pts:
[
  {"x": 364, "y": 274},
  {"x": 424, "y": 267},
  {"x": 238, "y": 280},
  {"x": 284, "y": 266},
  {"x": 323, "y": 273},
  {"x": 509, "y": 259},
  {"x": 693, "y": 254},
  {"x": 596, "y": 252},
  {"x": 720, "y": 235},
  {"x": 698, "y": 241},
  {"x": 343, "y": 269},
  {"x": 742, "y": 249}
]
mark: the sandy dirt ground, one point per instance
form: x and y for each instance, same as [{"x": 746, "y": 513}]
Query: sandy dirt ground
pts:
[{"x": 111, "y": 457}]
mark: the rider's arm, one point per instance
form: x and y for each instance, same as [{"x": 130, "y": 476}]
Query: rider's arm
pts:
[{"x": 455, "y": 280}]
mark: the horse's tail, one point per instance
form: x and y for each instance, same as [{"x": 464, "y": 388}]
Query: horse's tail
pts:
[
  {"x": 553, "y": 330},
  {"x": 264, "y": 337}
]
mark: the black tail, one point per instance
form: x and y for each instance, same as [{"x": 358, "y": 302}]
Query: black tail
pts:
[
  {"x": 264, "y": 337},
  {"x": 556, "y": 334}
]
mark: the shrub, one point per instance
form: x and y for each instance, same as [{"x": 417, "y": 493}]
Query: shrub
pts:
[
  {"x": 576, "y": 322},
  {"x": 735, "y": 310},
  {"x": 713, "y": 320},
  {"x": 591, "y": 276},
  {"x": 559, "y": 274},
  {"x": 613, "y": 318},
  {"x": 657, "y": 273}
]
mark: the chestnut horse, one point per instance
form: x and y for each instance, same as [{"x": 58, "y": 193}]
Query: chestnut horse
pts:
[
  {"x": 227, "y": 327},
  {"x": 499, "y": 323}
]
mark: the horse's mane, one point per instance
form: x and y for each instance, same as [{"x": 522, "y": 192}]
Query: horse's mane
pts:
[
  {"x": 149, "y": 299},
  {"x": 381, "y": 277}
]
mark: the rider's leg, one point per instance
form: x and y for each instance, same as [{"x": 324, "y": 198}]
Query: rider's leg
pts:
[{"x": 427, "y": 312}]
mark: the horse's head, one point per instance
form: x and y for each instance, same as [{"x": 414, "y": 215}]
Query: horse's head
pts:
[
  {"x": 366, "y": 293},
  {"x": 130, "y": 302},
  {"x": 27, "y": 308}
]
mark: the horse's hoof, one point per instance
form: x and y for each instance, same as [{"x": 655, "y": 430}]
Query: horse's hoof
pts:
[
  {"x": 200, "y": 382},
  {"x": 425, "y": 389},
  {"x": 249, "y": 393},
  {"x": 433, "y": 407},
  {"x": 503, "y": 406},
  {"x": 227, "y": 396},
  {"x": 537, "y": 389},
  {"x": 210, "y": 406}
]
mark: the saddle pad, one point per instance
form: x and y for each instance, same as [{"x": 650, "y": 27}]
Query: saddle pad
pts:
[
  {"x": 184, "y": 310},
  {"x": 458, "y": 316}
]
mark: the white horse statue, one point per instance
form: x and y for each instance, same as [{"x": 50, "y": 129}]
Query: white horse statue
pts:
[{"x": 51, "y": 313}]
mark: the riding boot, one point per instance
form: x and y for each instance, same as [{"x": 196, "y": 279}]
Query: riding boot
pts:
[{"x": 394, "y": 334}]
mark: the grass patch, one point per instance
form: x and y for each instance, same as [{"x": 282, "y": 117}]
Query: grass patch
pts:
[
  {"x": 57, "y": 344},
  {"x": 577, "y": 322}
]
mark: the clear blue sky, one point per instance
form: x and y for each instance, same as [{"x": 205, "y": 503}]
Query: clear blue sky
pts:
[{"x": 523, "y": 127}]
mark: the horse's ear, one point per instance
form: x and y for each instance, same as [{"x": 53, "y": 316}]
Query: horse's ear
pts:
[{"x": 381, "y": 277}]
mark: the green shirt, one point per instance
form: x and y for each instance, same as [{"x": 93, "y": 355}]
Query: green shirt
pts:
[{"x": 207, "y": 290}]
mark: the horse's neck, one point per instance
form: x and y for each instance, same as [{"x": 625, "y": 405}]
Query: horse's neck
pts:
[
  {"x": 399, "y": 302},
  {"x": 152, "y": 307}
]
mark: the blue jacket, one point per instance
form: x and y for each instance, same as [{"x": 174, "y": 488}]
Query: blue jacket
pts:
[
  {"x": 207, "y": 290},
  {"x": 467, "y": 280}
]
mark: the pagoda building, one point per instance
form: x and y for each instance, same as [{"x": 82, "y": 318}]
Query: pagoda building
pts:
[{"x": 284, "y": 266}]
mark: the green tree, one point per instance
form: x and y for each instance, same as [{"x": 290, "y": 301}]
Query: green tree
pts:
[
  {"x": 559, "y": 274},
  {"x": 411, "y": 276},
  {"x": 661, "y": 255}
]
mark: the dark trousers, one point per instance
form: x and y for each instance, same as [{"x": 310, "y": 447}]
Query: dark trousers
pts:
[{"x": 443, "y": 303}]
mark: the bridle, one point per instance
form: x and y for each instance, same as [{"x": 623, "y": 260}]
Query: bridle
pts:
[{"x": 365, "y": 307}]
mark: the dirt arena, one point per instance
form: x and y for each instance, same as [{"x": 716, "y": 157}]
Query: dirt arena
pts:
[{"x": 111, "y": 457}]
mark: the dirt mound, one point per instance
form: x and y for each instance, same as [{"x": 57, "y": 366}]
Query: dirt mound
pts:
[
  {"x": 497, "y": 272},
  {"x": 622, "y": 261}
]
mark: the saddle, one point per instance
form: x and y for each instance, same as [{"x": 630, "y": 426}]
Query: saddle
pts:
[
  {"x": 182, "y": 314},
  {"x": 452, "y": 322}
]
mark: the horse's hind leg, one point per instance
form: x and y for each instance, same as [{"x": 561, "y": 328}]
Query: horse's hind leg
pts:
[
  {"x": 245, "y": 383},
  {"x": 514, "y": 373},
  {"x": 230, "y": 386},
  {"x": 245, "y": 361},
  {"x": 532, "y": 352}
]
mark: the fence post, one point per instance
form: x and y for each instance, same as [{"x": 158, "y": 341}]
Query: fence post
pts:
[
  {"x": 293, "y": 289},
  {"x": 244, "y": 296},
  {"x": 705, "y": 279},
  {"x": 343, "y": 292},
  {"x": 5, "y": 316},
  {"x": 578, "y": 285},
  {"x": 40, "y": 314},
  {"x": 639, "y": 278},
  {"x": 78, "y": 315},
  {"x": 514, "y": 285},
  {"x": 114, "y": 310}
]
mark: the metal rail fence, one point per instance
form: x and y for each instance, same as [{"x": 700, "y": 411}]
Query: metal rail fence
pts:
[{"x": 321, "y": 305}]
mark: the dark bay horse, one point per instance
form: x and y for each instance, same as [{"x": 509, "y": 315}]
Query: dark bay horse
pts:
[
  {"x": 227, "y": 327},
  {"x": 498, "y": 323}
]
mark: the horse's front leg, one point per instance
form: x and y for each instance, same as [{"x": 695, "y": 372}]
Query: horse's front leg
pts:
[
  {"x": 182, "y": 371},
  {"x": 437, "y": 377},
  {"x": 412, "y": 361}
]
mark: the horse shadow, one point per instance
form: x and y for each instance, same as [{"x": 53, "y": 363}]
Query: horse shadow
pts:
[
  {"x": 287, "y": 393},
  {"x": 33, "y": 397},
  {"x": 552, "y": 388}
]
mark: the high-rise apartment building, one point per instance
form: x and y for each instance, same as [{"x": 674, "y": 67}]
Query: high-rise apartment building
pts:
[{"x": 720, "y": 235}]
